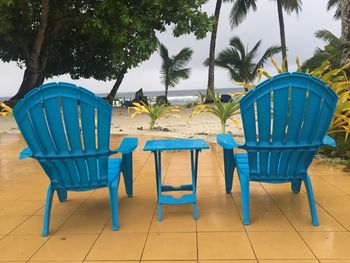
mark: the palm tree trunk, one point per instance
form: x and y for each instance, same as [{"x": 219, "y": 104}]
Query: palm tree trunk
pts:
[
  {"x": 345, "y": 32},
  {"x": 36, "y": 58},
  {"x": 166, "y": 91},
  {"x": 116, "y": 85},
  {"x": 282, "y": 33},
  {"x": 210, "y": 89}
]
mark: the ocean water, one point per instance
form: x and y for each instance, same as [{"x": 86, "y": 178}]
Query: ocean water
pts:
[{"x": 178, "y": 97}]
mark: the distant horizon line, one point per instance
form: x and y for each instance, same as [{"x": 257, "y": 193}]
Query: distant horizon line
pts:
[{"x": 145, "y": 91}]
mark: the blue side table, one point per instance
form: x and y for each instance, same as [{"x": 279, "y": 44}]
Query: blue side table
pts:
[{"x": 192, "y": 145}]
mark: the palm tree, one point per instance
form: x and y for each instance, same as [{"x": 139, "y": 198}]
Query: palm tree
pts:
[
  {"x": 173, "y": 67},
  {"x": 331, "y": 51},
  {"x": 210, "y": 89},
  {"x": 241, "y": 7},
  {"x": 345, "y": 32},
  {"x": 241, "y": 62},
  {"x": 336, "y": 4}
]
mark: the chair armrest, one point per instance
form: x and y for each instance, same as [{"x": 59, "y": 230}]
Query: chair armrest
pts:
[
  {"x": 226, "y": 141},
  {"x": 329, "y": 141},
  {"x": 25, "y": 153},
  {"x": 128, "y": 145}
]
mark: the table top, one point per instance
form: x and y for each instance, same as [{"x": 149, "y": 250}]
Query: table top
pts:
[{"x": 175, "y": 144}]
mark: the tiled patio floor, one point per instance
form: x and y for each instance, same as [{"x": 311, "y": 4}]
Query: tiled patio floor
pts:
[{"x": 280, "y": 227}]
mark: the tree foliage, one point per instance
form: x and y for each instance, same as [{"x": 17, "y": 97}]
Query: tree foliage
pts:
[
  {"x": 242, "y": 63},
  {"x": 173, "y": 68},
  {"x": 241, "y": 8},
  {"x": 91, "y": 38},
  {"x": 334, "y": 4},
  {"x": 331, "y": 51}
]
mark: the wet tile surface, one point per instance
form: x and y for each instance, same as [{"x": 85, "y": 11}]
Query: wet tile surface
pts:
[{"x": 80, "y": 231}]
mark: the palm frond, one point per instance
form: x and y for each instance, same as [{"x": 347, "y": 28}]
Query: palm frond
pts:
[
  {"x": 327, "y": 36},
  {"x": 183, "y": 57},
  {"x": 335, "y": 4},
  {"x": 237, "y": 44},
  {"x": 253, "y": 52},
  {"x": 291, "y": 6},
  {"x": 240, "y": 10}
]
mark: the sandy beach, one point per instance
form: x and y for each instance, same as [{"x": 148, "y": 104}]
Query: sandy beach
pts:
[{"x": 204, "y": 126}]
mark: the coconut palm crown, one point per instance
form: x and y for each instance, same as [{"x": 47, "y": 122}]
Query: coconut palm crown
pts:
[
  {"x": 241, "y": 8},
  {"x": 334, "y": 4},
  {"x": 241, "y": 62},
  {"x": 173, "y": 68}
]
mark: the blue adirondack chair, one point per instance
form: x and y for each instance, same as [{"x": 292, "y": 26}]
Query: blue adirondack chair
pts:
[
  {"x": 285, "y": 120},
  {"x": 67, "y": 129}
]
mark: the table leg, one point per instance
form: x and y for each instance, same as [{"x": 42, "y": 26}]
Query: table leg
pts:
[
  {"x": 158, "y": 165},
  {"x": 194, "y": 170}
]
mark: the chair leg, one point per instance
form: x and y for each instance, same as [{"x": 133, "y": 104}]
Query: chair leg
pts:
[
  {"x": 48, "y": 205},
  {"x": 311, "y": 199},
  {"x": 245, "y": 192},
  {"x": 160, "y": 213},
  {"x": 62, "y": 195},
  {"x": 229, "y": 165},
  {"x": 127, "y": 173},
  {"x": 113, "y": 197},
  {"x": 296, "y": 186},
  {"x": 195, "y": 211}
]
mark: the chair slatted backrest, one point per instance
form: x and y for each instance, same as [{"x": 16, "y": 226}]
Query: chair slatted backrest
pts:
[
  {"x": 67, "y": 129},
  {"x": 285, "y": 120}
]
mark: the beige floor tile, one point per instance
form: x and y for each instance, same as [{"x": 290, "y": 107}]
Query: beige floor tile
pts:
[
  {"x": 94, "y": 206},
  {"x": 62, "y": 209},
  {"x": 66, "y": 261},
  {"x": 109, "y": 261},
  {"x": 19, "y": 248},
  {"x": 131, "y": 222},
  {"x": 224, "y": 221},
  {"x": 161, "y": 246},
  {"x": 174, "y": 222},
  {"x": 289, "y": 201},
  {"x": 343, "y": 217},
  {"x": 328, "y": 245},
  {"x": 219, "y": 213},
  {"x": 65, "y": 247},
  {"x": 34, "y": 225},
  {"x": 258, "y": 203},
  {"x": 216, "y": 205},
  {"x": 209, "y": 191},
  {"x": 289, "y": 261},
  {"x": 9, "y": 223},
  {"x": 268, "y": 221},
  {"x": 118, "y": 246},
  {"x": 219, "y": 245},
  {"x": 138, "y": 204},
  {"x": 84, "y": 224},
  {"x": 335, "y": 261},
  {"x": 22, "y": 208},
  {"x": 279, "y": 245},
  {"x": 302, "y": 221},
  {"x": 10, "y": 195},
  {"x": 168, "y": 261},
  {"x": 229, "y": 261}
]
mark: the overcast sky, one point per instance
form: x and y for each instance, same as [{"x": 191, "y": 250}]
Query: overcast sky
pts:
[{"x": 262, "y": 24}]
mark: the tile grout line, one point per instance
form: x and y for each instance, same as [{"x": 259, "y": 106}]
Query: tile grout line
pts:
[
  {"x": 235, "y": 205},
  {"x": 51, "y": 236},
  {"x": 107, "y": 223},
  {"x": 154, "y": 212},
  {"x": 307, "y": 245}
]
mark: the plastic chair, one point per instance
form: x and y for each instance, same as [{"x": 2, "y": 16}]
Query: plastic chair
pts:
[
  {"x": 67, "y": 129},
  {"x": 285, "y": 120}
]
